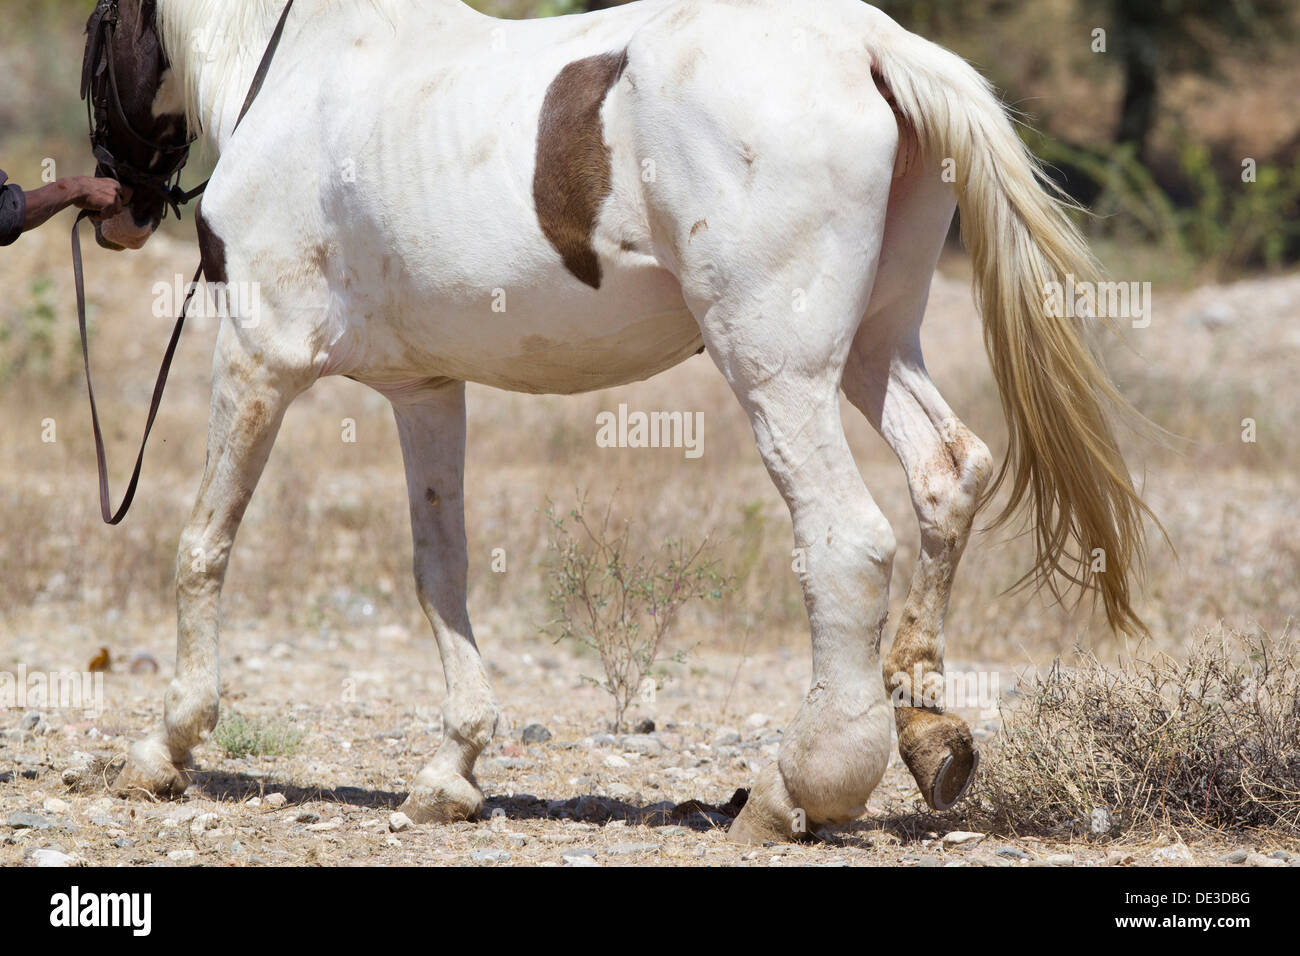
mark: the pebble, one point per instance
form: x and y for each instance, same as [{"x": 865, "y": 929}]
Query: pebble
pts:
[
  {"x": 1060, "y": 859},
  {"x": 516, "y": 840},
  {"x": 1173, "y": 854},
  {"x": 27, "y": 821},
  {"x": 204, "y": 821},
  {"x": 643, "y": 744},
  {"x": 615, "y": 762},
  {"x": 79, "y": 770},
  {"x": 622, "y": 792},
  {"x": 535, "y": 734},
  {"x": 399, "y": 822},
  {"x": 632, "y": 849},
  {"x": 49, "y": 857},
  {"x": 1235, "y": 856},
  {"x": 962, "y": 838},
  {"x": 725, "y": 737},
  {"x": 579, "y": 858},
  {"x": 1011, "y": 852},
  {"x": 490, "y": 856},
  {"x": 276, "y": 800},
  {"x": 182, "y": 856},
  {"x": 144, "y": 663},
  {"x": 1259, "y": 859}
]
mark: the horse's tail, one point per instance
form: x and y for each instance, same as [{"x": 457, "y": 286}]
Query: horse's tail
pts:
[{"x": 1062, "y": 456}]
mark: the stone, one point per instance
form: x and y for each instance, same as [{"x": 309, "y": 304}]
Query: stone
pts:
[
  {"x": 399, "y": 822},
  {"x": 1060, "y": 859},
  {"x": 276, "y": 800},
  {"x": 1177, "y": 853},
  {"x": 579, "y": 858},
  {"x": 492, "y": 857},
  {"x": 615, "y": 762},
  {"x": 535, "y": 734},
  {"x": 202, "y": 822},
  {"x": 1235, "y": 856},
  {"x": 643, "y": 744},
  {"x": 725, "y": 737},
  {"x": 182, "y": 856},
  {"x": 28, "y": 821},
  {"x": 1011, "y": 852},
  {"x": 49, "y": 857},
  {"x": 1259, "y": 859},
  {"x": 962, "y": 838},
  {"x": 632, "y": 849}
]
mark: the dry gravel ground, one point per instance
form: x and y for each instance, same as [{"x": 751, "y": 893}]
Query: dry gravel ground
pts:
[
  {"x": 322, "y": 628},
  {"x": 367, "y": 706}
]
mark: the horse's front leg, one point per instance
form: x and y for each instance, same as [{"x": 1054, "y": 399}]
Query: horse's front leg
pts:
[
  {"x": 431, "y": 427},
  {"x": 250, "y": 392}
]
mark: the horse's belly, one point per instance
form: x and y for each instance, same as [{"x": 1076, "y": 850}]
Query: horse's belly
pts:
[{"x": 553, "y": 337}]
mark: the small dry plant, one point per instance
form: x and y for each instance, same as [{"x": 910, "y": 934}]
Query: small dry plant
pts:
[
  {"x": 618, "y": 601},
  {"x": 1210, "y": 742}
]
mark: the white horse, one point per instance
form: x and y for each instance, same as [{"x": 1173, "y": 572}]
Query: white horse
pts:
[{"x": 769, "y": 181}]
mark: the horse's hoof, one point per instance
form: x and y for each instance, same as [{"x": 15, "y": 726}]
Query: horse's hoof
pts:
[
  {"x": 767, "y": 816},
  {"x": 442, "y": 798},
  {"x": 940, "y": 752},
  {"x": 149, "y": 773}
]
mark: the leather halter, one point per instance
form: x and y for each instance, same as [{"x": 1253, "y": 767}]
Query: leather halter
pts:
[
  {"x": 99, "y": 47},
  {"x": 105, "y": 115}
]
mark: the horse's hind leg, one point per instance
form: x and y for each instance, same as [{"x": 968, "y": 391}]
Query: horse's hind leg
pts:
[
  {"x": 431, "y": 427},
  {"x": 947, "y": 468},
  {"x": 250, "y": 392}
]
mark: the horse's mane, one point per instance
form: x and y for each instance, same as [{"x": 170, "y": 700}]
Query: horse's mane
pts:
[{"x": 221, "y": 41}]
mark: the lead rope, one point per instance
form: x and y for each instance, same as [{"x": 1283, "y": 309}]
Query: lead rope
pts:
[{"x": 105, "y": 500}]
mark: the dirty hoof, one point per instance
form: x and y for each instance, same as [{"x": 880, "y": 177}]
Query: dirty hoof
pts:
[
  {"x": 149, "y": 773},
  {"x": 442, "y": 798},
  {"x": 768, "y": 815},
  {"x": 940, "y": 752}
]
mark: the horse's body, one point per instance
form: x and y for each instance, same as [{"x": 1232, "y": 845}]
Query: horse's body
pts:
[{"x": 427, "y": 196}]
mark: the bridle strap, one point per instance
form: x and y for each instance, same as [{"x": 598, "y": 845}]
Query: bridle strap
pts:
[
  {"x": 177, "y": 198},
  {"x": 105, "y": 506},
  {"x": 109, "y": 33}
]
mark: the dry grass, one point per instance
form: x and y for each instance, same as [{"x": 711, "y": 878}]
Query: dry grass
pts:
[{"x": 1208, "y": 742}]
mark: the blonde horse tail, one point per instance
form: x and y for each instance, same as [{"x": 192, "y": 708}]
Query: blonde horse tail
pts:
[{"x": 1062, "y": 461}]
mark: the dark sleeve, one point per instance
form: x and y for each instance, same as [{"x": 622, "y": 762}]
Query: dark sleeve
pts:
[{"x": 13, "y": 211}]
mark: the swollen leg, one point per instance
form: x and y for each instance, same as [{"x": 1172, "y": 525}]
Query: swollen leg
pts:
[{"x": 947, "y": 469}]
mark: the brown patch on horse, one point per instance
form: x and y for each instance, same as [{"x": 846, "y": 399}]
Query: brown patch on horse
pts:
[
  {"x": 573, "y": 175},
  {"x": 212, "y": 250}
]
